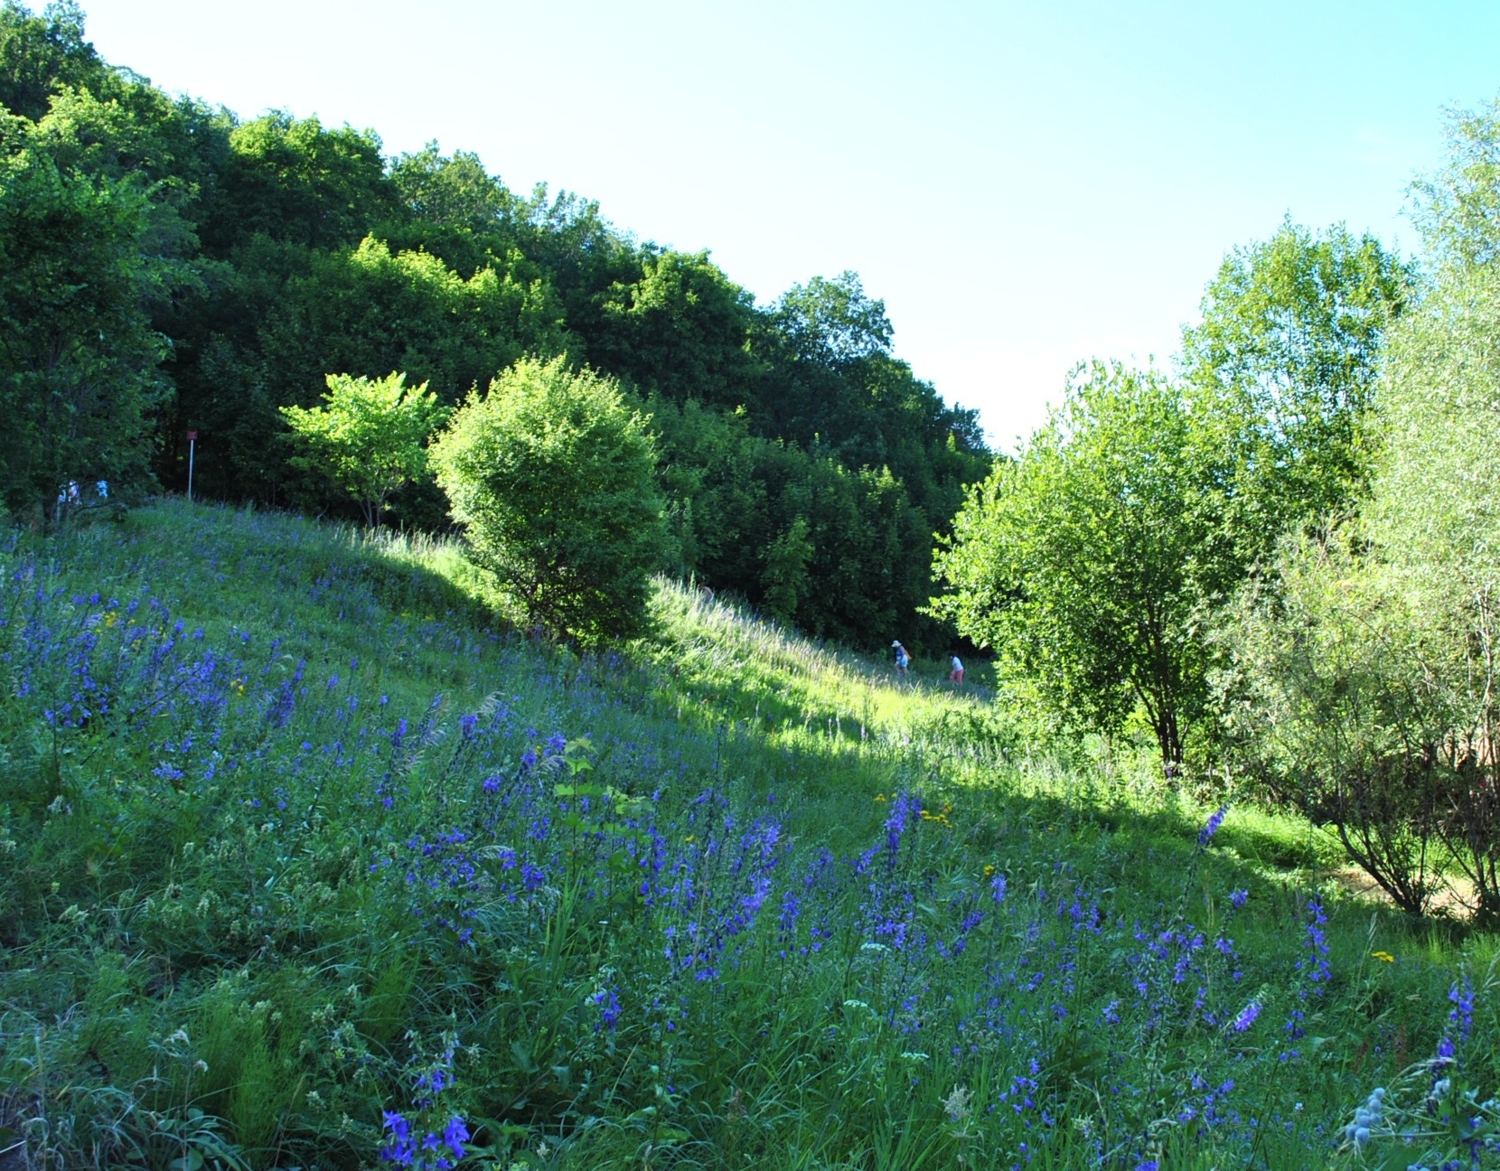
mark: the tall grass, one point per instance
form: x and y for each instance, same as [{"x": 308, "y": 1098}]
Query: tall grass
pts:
[{"x": 303, "y": 862}]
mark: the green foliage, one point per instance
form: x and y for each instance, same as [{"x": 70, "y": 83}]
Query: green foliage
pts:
[
  {"x": 128, "y": 129},
  {"x": 1284, "y": 361},
  {"x": 681, "y": 328},
  {"x": 296, "y": 182},
  {"x": 371, "y": 305},
  {"x": 1087, "y": 562},
  {"x": 785, "y": 574},
  {"x": 833, "y": 321},
  {"x": 1331, "y": 709},
  {"x": 1458, "y": 208},
  {"x": 277, "y": 249},
  {"x": 551, "y": 475},
  {"x": 288, "y": 314},
  {"x": 1095, "y": 562},
  {"x": 369, "y": 437},
  {"x": 452, "y": 208},
  {"x": 100, "y": 180},
  {"x": 456, "y": 192},
  {"x": 40, "y": 55},
  {"x": 79, "y": 378},
  {"x": 1368, "y": 657},
  {"x": 841, "y": 554}
]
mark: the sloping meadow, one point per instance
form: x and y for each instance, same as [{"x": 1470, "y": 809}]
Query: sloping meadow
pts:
[{"x": 304, "y": 865}]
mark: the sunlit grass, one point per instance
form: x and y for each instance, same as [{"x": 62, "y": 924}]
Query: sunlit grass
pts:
[{"x": 293, "y": 829}]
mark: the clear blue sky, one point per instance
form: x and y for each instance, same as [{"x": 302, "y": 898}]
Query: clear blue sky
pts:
[{"x": 1026, "y": 185}]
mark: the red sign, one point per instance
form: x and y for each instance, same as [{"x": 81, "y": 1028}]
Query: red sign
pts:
[{"x": 192, "y": 435}]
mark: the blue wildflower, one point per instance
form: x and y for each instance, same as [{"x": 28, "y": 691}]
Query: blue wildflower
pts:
[
  {"x": 1212, "y": 826},
  {"x": 455, "y": 1134}
]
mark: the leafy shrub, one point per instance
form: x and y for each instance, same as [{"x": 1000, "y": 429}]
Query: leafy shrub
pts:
[
  {"x": 1334, "y": 713},
  {"x": 551, "y": 475}
]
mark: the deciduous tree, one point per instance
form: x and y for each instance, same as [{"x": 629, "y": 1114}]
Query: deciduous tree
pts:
[
  {"x": 1283, "y": 364},
  {"x": 1366, "y": 676},
  {"x": 551, "y": 475},
  {"x": 1087, "y": 561},
  {"x": 369, "y": 436}
]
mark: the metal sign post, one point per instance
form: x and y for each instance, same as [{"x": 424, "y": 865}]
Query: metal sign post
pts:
[{"x": 192, "y": 438}]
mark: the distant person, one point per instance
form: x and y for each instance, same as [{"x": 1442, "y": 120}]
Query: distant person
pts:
[
  {"x": 903, "y": 660},
  {"x": 957, "y": 674}
]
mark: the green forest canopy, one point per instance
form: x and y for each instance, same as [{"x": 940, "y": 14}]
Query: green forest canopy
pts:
[{"x": 206, "y": 272}]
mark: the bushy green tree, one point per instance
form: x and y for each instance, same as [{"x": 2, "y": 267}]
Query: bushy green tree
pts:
[
  {"x": 1087, "y": 562},
  {"x": 1329, "y": 705},
  {"x": 369, "y": 436},
  {"x": 1364, "y": 670},
  {"x": 1284, "y": 362},
  {"x": 1435, "y": 518},
  {"x": 551, "y": 475}
]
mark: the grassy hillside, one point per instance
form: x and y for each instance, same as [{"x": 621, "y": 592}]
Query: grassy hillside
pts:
[{"x": 303, "y": 864}]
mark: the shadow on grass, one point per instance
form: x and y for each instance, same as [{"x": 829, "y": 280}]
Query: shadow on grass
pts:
[
  {"x": 218, "y": 550},
  {"x": 741, "y": 698}
]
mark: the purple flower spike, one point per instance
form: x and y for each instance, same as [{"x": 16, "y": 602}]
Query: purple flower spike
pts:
[
  {"x": 1246, "y": 1018},
  {"x": 455, "y": 1135},
  {"x": 1212, "y": 827}
]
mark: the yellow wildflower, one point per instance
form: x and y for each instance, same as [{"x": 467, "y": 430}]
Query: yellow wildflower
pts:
[{"x": 1384, "y": 957}]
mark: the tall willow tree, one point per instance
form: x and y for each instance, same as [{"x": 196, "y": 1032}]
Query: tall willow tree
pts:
[{"x": 1371, "y": 670}]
